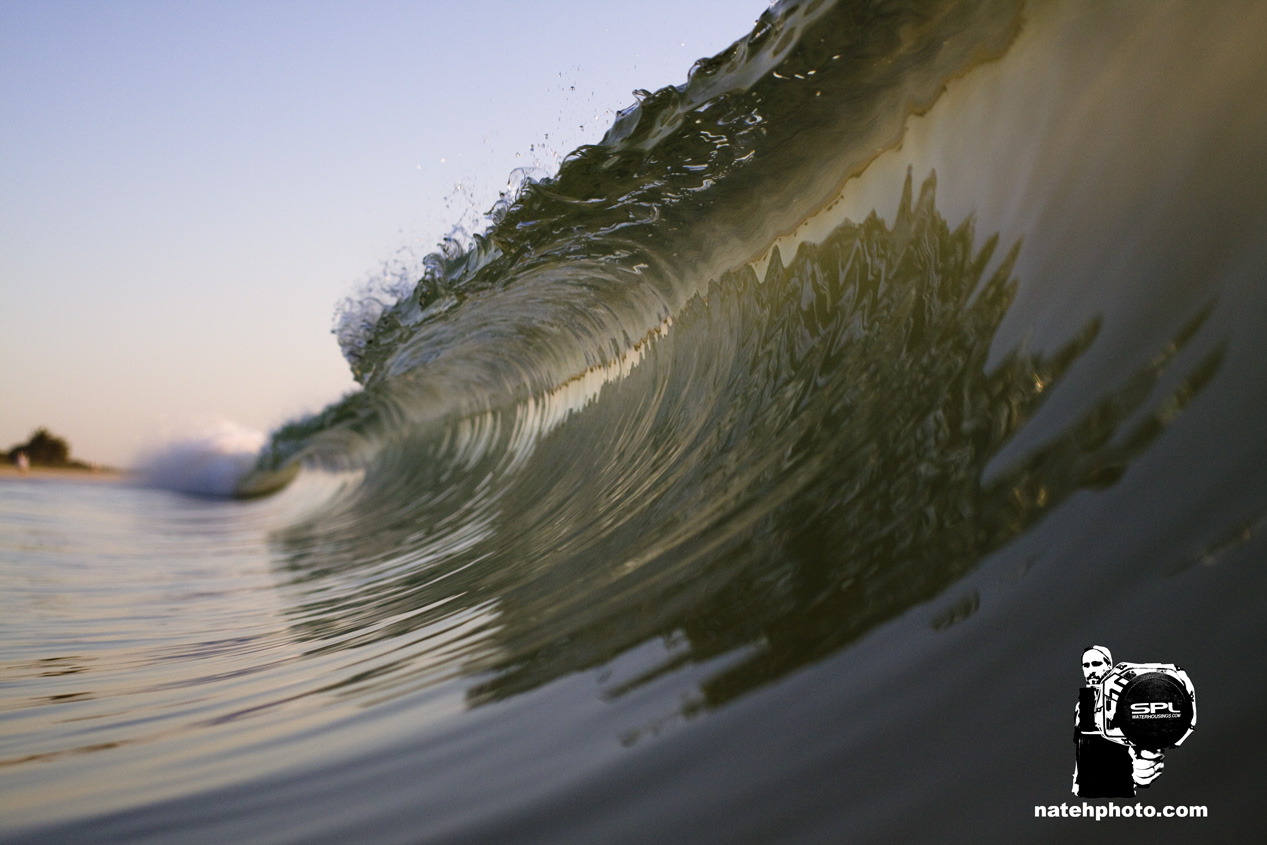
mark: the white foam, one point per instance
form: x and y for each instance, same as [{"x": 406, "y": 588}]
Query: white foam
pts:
[{"x": 209, "y": 461}]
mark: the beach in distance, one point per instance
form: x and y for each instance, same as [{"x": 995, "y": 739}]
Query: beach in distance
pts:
[{"x": 11, "y": 472}]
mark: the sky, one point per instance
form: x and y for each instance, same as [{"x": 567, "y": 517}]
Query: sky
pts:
[{"x": 189, "y": 189}]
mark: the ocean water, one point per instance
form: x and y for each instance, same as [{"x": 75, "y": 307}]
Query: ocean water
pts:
[{"x": 760, "y": 476}]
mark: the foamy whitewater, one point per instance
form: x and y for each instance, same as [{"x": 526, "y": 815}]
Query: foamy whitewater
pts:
[
  {"x": 210, "y": 460},
  {"x": 759, "y": 476}
]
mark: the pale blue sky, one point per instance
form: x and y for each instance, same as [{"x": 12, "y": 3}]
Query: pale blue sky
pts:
[{"x": 187, "y": 189}]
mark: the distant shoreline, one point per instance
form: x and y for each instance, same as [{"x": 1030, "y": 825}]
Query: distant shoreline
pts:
[{"x": 10, "y": 472}]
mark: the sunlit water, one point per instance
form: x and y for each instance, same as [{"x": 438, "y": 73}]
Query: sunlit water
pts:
[{"x": 760, "y": 477}]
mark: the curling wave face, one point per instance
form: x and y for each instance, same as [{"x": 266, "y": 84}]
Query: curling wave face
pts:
[{"x": 800, "y": 458}]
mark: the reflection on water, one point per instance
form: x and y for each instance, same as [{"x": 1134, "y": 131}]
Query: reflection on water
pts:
[
  {"x": 134, "y": 625},
  {"x": 802, "y": 458}
]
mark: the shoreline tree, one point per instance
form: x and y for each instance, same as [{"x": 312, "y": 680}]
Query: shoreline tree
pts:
[{"x": 45, "y": 449}]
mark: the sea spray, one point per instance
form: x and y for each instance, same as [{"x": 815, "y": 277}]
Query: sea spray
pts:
[{"x": 210, "y": 460}]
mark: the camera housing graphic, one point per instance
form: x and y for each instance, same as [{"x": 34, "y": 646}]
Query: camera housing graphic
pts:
[{"x": 1151, "y": 706}]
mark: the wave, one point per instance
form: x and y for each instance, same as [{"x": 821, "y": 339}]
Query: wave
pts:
[
  {"x": 815, "y": 440},
  {"x": 620, "y": 396},
  {"x": 576, "y": 270},
  {"x": 620, "y": 409}
]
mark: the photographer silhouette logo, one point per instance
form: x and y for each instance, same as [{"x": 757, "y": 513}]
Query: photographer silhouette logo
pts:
[{"x": 1126, "y": 716}]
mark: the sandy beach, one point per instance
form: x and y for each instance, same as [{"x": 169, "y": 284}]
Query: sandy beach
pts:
[{"x": 9, "y": 472}]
